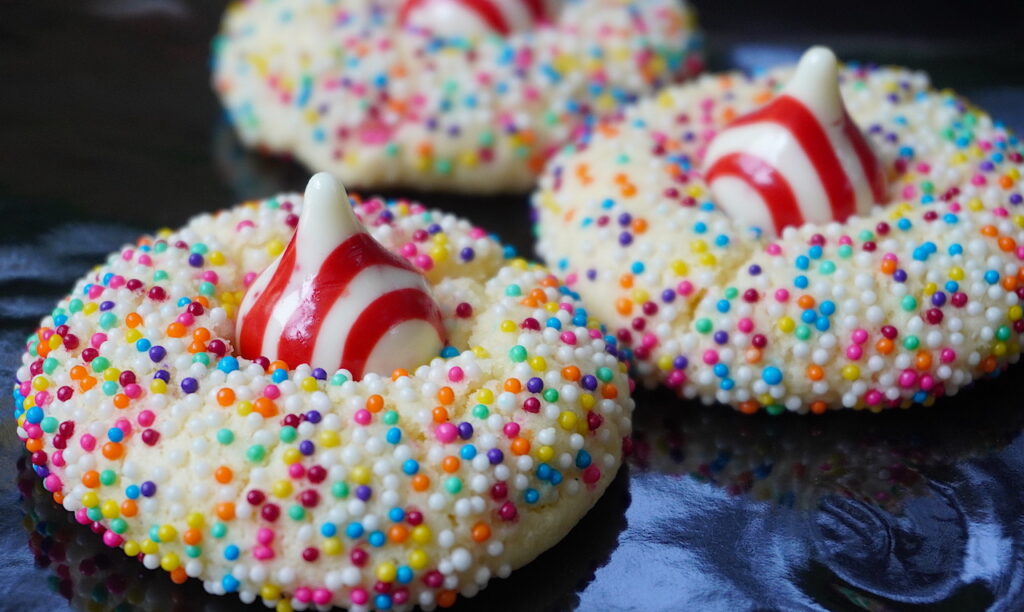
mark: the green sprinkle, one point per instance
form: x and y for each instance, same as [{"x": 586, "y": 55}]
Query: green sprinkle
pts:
[
  {"x": 75, "y": 305},
  {"x": 50, "y": 364},
  {"x": 100, "y": 363},
  {"x": 827, "y": 267},
  {"x": 604, "y": 374},
  {"x": 296, "y": 513},
  {"x": 1003, "y": 333},
  {"x": 908, "y": 303},
  {"x": 108, "y": 477},
  {"x": 390, "y": 417},
  {"x": 193, "y": 552},
  {"x": 911, "y": 342},
  {"x": 288, "y": 434},
  {"x": 339, "y": 490},
  {"x": 453, "y": 485},
  {"x": 256, "y": 453},
  {"x": 202, "y": 358},
  {"x": 49, "y": 424},
  {"x": 517, "y": 353},
  {"x": 513, "y": 291},
  {"x": 119, "y": 525},
  {"x": 160, "y": 275},
  {"x": 481, "y": 412},
  {"x": 731, "y": 293},
  {"x": 802, "y": 332},
  {"x": 225, "y": 436},
  {"x": 550, "y": 396},
  {"x": 219, "y": 530},
  {"x": 775, "y": 409},
  {"x": 703, "y": 326}
]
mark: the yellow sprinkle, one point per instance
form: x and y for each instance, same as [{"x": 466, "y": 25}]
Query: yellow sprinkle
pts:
[
  {"x": 421, "y": 534},
  {"x": 999, "y": 349},
  {"x": 361, "y": 474},
  {"x": 331, "y": 546},
  {"x": 484, "y": 396},
  {"x": 111, "y": 374},
  {"x": 680, "y": 268},
  {"x": 786, "y": 325},
  {"x": 244, "y": 408},
  {"x": 567, "y": 420},
  {"x": 309, "y": 384},
  {"x": 386, "y": 571},
  {"x": 956, "y": 273},
  {"x": 328, "y": 438},
  {"x": 40, "y": 383},
  {"x": 149, "y": 547},
  {"x": 167, "y": 533},
  {"x": 216, "y": 258},
  {"x": 587, "y": 401},
  {"x": 508, "y": 326},
  {"x": 110, "y": 509},
  {"x": 158, "y": 386},
  {"x": 275, "y": 247},
  {"x": 418, "y": 559},
  {"x": 975, "y": 204},
  {"x": 170, "y": 562},
  {"x": 90, "y": 308},
  {"x": 930, "y": 288},
  {"x": 1015, "y": 313},
  {"x": 281, "y": 488},
  {"x": 545, "y": 453},
  {"x": 292, "y": 455},
  {"x": 195, "y": 520},
  {"x": 851, "y": 372},
  {"x": 132, "y": 336},
  {"x": 665, "y": 363},
  {"x": 90, "y": 499},
  {"x": 640, "y": 296},
  {"x": 480, "y": 352},
  {"x": 538, "y": 363},
  {"x": 131, "y": 548},
  {"x": 698, "y": 246},
  {"x": 270, "y": 592}
]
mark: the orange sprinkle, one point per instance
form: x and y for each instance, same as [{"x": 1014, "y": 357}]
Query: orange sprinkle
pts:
[
  {"x": 91, "y": 479},
  {"x": 202, "y": 300},
  {"x": 446, "y": 599},
  {"x": 78, "y": 373},
  {"x": 176, "y": 330},
  {"x": 988, "y": 364},
  {"x": 87, "y": 383},
  {"x": 639, "y": 226},
  {"x": 1005, "y": 182},
  {"x": 133, "y": 320},
  {"x": 814, "y": 372},
  {"x": 989, "y": 230},
  {"x": 550, "y": 281},
  {"x": 226, "y": 396},
  {"x": 624, "y": 306},
  {"x": 375, "y": 403},
  {"x": 225, "y": 511},
  {"x": 178, "y": 575},
  {"x": 884, "y": 346},
  {"x": 192, "y": 536},
  {"x": 113, "y": 450},
  {"x": 520, "y": 446},
  {"x": 398, "y": 533},
  {"x": 571, "y": 373},
  {"x": 399, "y": 373},
  {"x": 512, "y": 385},
  {"x": 277, "y": 365},
  {"x": 440, "y": 414},
  {"x": 196, "y": 347},
  {"x": 888, "y": 266},
  {"x": 539, "y": 295},
  {"x": 129, "y": 508},
  {"x": 1007, "y": 244},
  {"x": 266, "y": 407},
  {"x": 805, "y": 301},
  {"x": 609, "y": 391},
  {"x": 748, "y": 407},
  {"x": 34, "y": 444},
  {"x": 753, "y": 355},
  {"x": 121, "y": 401},
  {"x": 445, "y": 395},
  {"x": 450, "y": 464},
  {"x": 420, "y": 482},
  {"x": 626, "y": 281},
  {"x": 923, "y": 360},
  {"x": 223, "y": 474},
  {"x": 819, "y": 407},
  {"x": 628, "y": 191},
  {"x": 481, "y": 532},
  {"x": 201, "y": 334}
]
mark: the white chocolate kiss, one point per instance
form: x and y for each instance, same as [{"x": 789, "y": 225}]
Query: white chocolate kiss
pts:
[
  {"x": 775, "y": 141},
  {"x": 327, "y": 221}
]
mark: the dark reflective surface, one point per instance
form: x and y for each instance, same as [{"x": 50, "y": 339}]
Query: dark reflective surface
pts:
[{"x": 109, "y": 129}]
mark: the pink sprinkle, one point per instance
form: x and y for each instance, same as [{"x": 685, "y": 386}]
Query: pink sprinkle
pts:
[
  {"x": 684, "y": 288},
  {"x": 978, "y": 179},
  {"x": 424, "y": 262},
  {"x": 186, "y": 319},
  {"x": 908, "y": 192},
  {"x": 132, "y": 390},
  {"x": 947, "y": 355},
  {"x": 321, "y": 597},
  {"x": 146, "y": 418},
  {"x": 781, "y": 295},
  {"x": 271, "y": 392},
  {"x": 249, "y": 278},
  {"x": 52, "y": 483},
  {"x": 33, "y": 431},
  {"x": 244, "y": 224},
  {"x": 262, "y": 552},
  {"x": 908, "y": 378},
  {"x": 446, "y": 432},
  {"x": 566, "y": 306},
  {"x": 57, "y": 458},
  {"x": 124, "y": 425},
  {"x": 711, "y": 357},
  {"x": 860, "y": 336},
  {"x": 264, "y": 535},
  {"x": 745, "y": 325},
  {"x": 111, "y": 539},
  {"x": 676, "y": 378},
  {"x": 304, "y": 594},
  {"x": 296, "y": 470},
  {"x": 649, "y": 341},
  {"x": 363, "y": 416},
  {"x": 87, "y": 442},
  {"x": 145, "y": 260},
  {"x": 477, "y": 232},
  {"x": 117, "y": 282},
  {"x": 773, "y": 249},
  {"x": 999, "y": 211},
  {"x": 97, "y": 340},
  {"x": 455, "y": 374},
  {"x": 510, "y": 429},
  {"x": 595, "y": 334},
  {"x": 927, "y": 382},
  {"x": 571, "y": 279},
  {"x": 127, "y": 255},
  {"x": 408, "y": 249},
  {"x": 359, "y": 596},
  {"x": 568, "y": 337},
  {"x": 210, "y": 276},
  {"x": 844, "y": 239},
  {"x": 854, "y": 352},
  {"x": 95, "y": 291},
  {"x": 43, "y": 398},
  {"x": 873, "y": 397},
  {"x": 82, "y": 516}
]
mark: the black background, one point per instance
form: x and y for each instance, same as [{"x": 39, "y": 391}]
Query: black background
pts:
[{"x": 108, "y": 128}]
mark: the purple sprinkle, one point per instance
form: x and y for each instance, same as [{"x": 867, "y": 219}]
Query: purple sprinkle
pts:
[{"x": 495, "y": 456}]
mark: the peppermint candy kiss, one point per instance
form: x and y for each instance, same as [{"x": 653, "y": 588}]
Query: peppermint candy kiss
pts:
[
  {"x": 453, "y": 18},
  {"x": 335, "y": 298},
  {"x": 799, "y": 159}
]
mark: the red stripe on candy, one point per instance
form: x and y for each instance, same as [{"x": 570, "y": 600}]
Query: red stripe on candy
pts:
[
  {"x": 408, "y": 7},
  {"x": 343, "y": 264},
  {"x": 868, "y": 162},
  {"x": 381, "y": 315},
  {"x": 791, "y": 114},
  {"x": 773, "y": 188},
  {"x": 536, "y": 8},
  {"x": 489, "y": 12},
  {"x": 254, "y": 323}
]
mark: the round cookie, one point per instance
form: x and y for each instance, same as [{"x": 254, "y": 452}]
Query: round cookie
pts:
[
  {"x": 351, "y": 87},
  {"x": 909, "y": 302},
  {"x": 300, "y": 486}
]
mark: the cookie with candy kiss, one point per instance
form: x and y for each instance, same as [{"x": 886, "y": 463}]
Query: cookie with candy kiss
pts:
[
  {"x": 798, "y": 159},
  {"x": 336, "y": 299}
]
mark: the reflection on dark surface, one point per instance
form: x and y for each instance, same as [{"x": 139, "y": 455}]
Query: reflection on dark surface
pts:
[{"x": 112, "y": 130}]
